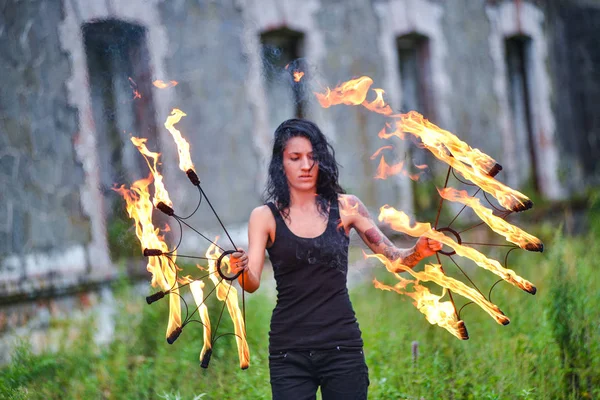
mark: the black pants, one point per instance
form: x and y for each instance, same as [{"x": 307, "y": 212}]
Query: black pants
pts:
[{"x": 341, "y": 373}]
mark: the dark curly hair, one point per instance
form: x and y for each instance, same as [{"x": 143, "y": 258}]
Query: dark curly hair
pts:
[{"x": 328, "y": 187}]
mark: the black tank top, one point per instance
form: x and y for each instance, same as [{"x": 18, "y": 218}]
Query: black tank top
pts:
[{"x": 313, "y": 308}]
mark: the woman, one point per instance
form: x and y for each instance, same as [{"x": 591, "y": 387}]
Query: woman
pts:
[{"x": 314, "y": 339}]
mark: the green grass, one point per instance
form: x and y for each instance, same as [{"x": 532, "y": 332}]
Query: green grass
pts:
[{"x": 550, "y": 350}]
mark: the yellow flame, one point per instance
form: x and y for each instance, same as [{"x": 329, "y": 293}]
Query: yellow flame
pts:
[
  {"x": 353, "y": 92},
  {"x": 400, "y": 222},
  {"x": 160, "y": 192},
  {"x": 139, "y": 208},
  {"x": 226, "y": 292},
  {"x": 196, "y": 287},
  {"x": 434, "y": 273},
  {"x": 512, "y": 233},
  {"x": 471, "y": 163},
  {"x": 436, "y": 312},
  {"x": 163, "y": 85},
  {"x": 183, "y": 147},
  {"x": 378, "y": 105}
]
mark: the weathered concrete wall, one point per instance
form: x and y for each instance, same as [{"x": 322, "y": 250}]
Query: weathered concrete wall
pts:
[
  {"x": 207, "y": 58},
  {"x": 574, "y": 31},
  {"x": 50, "y": 169},
  {"x": 43, "y": 229},
  {"x": 470, "y": 69}
]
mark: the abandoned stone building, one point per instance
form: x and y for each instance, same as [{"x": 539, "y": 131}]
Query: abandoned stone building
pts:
[{"x": 517, "y": 79}]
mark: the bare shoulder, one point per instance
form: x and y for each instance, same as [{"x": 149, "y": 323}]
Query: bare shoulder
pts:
[
  {"x": 263, "y": 217},
  {"x": 262, "y": 224},
  {"x": 261, "y": 213}
]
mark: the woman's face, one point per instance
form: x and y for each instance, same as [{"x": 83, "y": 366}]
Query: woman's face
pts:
[{"x": 299, "y": 165}]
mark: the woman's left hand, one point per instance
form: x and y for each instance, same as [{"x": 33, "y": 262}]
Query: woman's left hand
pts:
[
  {"x": 238, "y": 261},
  {"x": 427, "y": 247}
]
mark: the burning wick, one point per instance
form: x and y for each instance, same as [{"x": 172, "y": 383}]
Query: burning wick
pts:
[
  {"x": 518, "y": 207},
  {"x": 152, "y": 252},
  {"x": 206, "y": 358},
  {"x": 165, "y": 208},
  {"x": 462, "y": 329},
  {"x": 156, "y": 296},
  {"x": 535, "y": 247},
  {"x": 193, "y": 177},
  {"x": 174, "y": 335},
  {"x": 495, "y": 169}
]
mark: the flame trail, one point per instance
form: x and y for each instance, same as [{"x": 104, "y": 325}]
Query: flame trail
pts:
[
  {"x": 139, "y": 208},
  {"x": 400, "y": 222},
  {"x": 226, "y": 292},
  {"x": 512, "y": 233},
  {"x": 183, "y": 147},
  {"x": 384, "y": 170},
  {"x": 437, "y": 312},
  {"x": 160, "y": 192},
  {"x": 163, "y": 85},
  {"x": 196, "y": 287},
  {"x": 471, "y": 163},
  {"x": 433, "y": 273},
  {"x": 353, "y": 93}
]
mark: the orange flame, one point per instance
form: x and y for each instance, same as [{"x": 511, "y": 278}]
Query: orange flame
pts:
[
  {"x": 378, "y": 105},
  {"x": 379, "y": 150},
  {"x": 399, "y": 221},
  {"x": 163, "y": 85},
  {"x": 136, "y": 93},
  {"x": 471, "y": 163},
  {"x": 139, "y": 208},
  {"x": 183, "y": 147},
  {"x": 512, "y": 234},
  {"x": 437, "y": 312},
  {"x": 384, "y": 170},
  {"x": 226, "y": 292},
  {"x": 353, "y": 92},
  {"x": 196, "y": 287},
  {"x": 434, "y": 273},
  {"x": 298, "y": 75},
  {"x": 160, "y": 193}
]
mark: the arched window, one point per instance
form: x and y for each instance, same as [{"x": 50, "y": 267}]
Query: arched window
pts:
[
  {"x": 413, "y": 61},
  {"x": 281, "y": 50},
  {"x": 120, "y": 85},
  {"x": 415, "y": 86},
  {"x": 518, "y": 65}
]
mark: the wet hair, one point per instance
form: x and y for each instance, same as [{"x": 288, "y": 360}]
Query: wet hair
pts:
[{"x": 328, "y": 187}]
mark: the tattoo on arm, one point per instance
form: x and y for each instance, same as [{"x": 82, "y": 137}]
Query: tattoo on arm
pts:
[
  {"x": 412, "y": 259},
  {"x": 374, "y": 236},
  {"x": 409, "y": 257},
  {"x": 392, "y": 253},
  {"x": 362, "y": 210}
]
